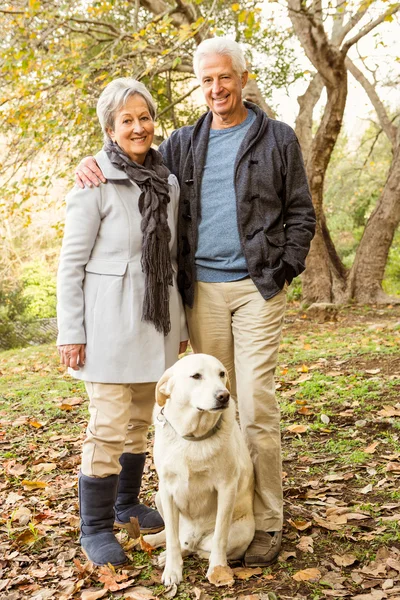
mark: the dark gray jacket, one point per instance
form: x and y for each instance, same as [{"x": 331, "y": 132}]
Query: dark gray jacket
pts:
[{"x": 275, "y": 215}]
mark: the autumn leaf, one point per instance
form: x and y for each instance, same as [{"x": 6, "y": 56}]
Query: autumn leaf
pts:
[
  {"x": 221, "y": 576},
  {"x": 307, "y": 575},
  {"x": 306, "y": 544},
  {"x": 145, "y": 546},
  {"x": 344, "y": 560},
  {"x": 300, "y": 525},
  {"x": 69, "y": 403},
  {"x": 393, "y": 466},
  {"x": 368, "y": 488},
  {"x": 326, "y": 524},
  {"x": 138, "y": 593},
  {"x": 371, "y": 448},
  {"x": 33, "y": 485},
  {"x": 297, "y": 428},
  {"x": 36, "y": 424},
  {"x": 93, "y": 594},
  {"x": 44, "y": 467},
  {"x": 246, "y": 573},
  {"x": 389, "y": 411},
  {"x": 22, "y": 515},
  {"x": 110, "y": 578}
]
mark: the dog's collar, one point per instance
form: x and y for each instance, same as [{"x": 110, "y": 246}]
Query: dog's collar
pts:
[{"x": 190, "y": 438}]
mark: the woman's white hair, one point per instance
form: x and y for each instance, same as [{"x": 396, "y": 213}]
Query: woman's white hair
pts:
[
  {"x": 115, "y": 95},
  {"x": 223, "y": 46}
]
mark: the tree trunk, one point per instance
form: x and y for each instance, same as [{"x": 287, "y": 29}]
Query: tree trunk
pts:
[
  {"x": 325, "y": 277},
  {"x": 365, "y": 280},
  {"x": 304, "y": 120}
]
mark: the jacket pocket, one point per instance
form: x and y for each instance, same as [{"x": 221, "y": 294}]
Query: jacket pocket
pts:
[
  {"x": 101, "y": 266},
  {"x": 276, "y": 238},
  {"x": 274, "y": 245}
]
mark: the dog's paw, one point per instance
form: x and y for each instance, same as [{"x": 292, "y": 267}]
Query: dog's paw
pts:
[
  {"x": 162, "y": 559},
  {"x": 172, "y": 575}
]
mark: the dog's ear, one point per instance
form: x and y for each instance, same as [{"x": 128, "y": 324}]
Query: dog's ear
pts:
[{"x": 164, "y": 387}]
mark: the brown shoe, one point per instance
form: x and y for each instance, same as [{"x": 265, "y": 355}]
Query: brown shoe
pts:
[{"x": 264, "y": 549}]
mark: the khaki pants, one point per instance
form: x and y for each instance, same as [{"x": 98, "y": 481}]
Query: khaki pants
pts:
[
  {"x": 233, "y": 322},
  {"x": 120, "y": 415}
]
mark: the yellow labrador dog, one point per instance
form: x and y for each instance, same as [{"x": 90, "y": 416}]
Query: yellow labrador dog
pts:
[{"x": 206, "y": 482}]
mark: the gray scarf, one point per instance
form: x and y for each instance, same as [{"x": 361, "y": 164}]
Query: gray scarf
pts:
[{"x": 152, "y": 179}]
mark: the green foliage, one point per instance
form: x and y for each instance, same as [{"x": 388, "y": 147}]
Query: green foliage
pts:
[
  {"x": 12, "y": 302},
  {"x": 391, "y": 283},
  {"x": 12, "y": 308},
  {"x": 31, "y": 297},
  {"x": 39, "y": 291},
  {"x": 355, "y": 180}
]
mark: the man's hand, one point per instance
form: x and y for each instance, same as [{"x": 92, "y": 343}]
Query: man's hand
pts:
[
  {"x": 88, "y": 173},
  {"x": 72, "y": 355},
  {"x": 183, "y": 346}
]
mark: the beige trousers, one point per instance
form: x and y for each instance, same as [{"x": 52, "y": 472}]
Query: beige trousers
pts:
[
  {"x": 233, "y": 322},
  {"x": 120, "y": 415}
]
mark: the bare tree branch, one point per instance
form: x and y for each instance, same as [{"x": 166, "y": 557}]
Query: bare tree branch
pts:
[
  {"x": 307, "y": 102},
  {"x": 387, "y": 126},
  {"x": 189, "y": 93},
  {"x": 365, "y": 30}
]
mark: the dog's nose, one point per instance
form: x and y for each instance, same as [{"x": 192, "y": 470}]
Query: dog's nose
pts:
[{"x": 222, "y": 397}]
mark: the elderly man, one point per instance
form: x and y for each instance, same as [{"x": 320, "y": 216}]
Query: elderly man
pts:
[{"x": 245, "y": 226}]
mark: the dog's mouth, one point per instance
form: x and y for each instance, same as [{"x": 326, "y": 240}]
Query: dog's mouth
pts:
[{"x": 214, "y": 409}]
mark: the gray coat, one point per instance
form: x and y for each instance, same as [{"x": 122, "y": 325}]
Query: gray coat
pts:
[
  {"x": 275, "y": 215},
  {"x": 101, "y": 284}
]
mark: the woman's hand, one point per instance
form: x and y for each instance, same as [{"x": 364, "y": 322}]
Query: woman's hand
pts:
[
  {"x": 183, "y": 346},
  {"x": 72, "y": 355}
]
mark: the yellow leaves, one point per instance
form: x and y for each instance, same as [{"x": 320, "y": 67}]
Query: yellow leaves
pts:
[
  {"x": 34, "y": 5},
  {"x": 307, "y": 575},
  {"x": 26, "y": 538},
  {"x": 34, "y": 423},
  {"x": 246, "y": 573},
  {"x": 235, "y": 7},
  {"x": 33, "y": 485}
]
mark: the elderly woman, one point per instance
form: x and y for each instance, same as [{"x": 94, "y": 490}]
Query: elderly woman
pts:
[{"x": 120, "y": 316}]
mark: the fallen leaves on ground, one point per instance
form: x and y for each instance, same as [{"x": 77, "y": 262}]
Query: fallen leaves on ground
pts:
[
  {"x": 221, "y": 576},
  {"x": 311, "y": 574},
  {"x": 341, "y": 476}
]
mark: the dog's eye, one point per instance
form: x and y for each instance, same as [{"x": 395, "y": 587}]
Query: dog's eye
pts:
[
  {"x": 222, "y": 374},
  {"x": 196, "y": 376}
]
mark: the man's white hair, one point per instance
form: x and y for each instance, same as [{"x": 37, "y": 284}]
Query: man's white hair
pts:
[
  {"x": 115, "y": 95},
  {"x": 224, "y": 46}
]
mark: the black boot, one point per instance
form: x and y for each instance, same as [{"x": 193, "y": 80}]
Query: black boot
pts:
[
  {"x": 96, "y": 509},
  {"x": 127, "y": 503}
]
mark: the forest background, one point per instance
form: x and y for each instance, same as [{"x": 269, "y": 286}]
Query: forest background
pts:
[{"x": 56, "y": 56}]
